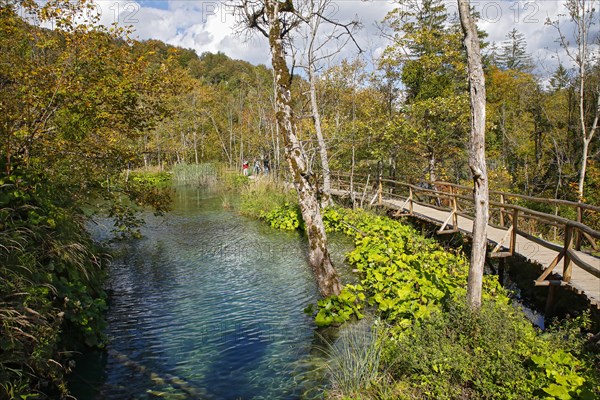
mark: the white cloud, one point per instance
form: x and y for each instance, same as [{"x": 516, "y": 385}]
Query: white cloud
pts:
[{"x": 208, "y": 25}]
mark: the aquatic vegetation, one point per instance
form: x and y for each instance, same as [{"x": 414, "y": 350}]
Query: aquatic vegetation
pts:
[
  {"x": 286, "y": 217},
  {"x": 354, "y": 360},
  {"x": 204, "y": 175}
]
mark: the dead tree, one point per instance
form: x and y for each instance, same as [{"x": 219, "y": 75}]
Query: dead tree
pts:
[
  {"x": 320, "y": 47},
  {"x": 477, "y": 162},
  {"x": 583, "y": 15}
]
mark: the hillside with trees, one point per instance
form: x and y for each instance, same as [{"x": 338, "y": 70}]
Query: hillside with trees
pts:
[{"x": 83, "y": 105}]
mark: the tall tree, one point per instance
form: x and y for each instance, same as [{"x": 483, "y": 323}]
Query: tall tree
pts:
[
  {"x": 427, "y": 49},
  {"x": 477, "y": 162},
  {"x": 276, "y": 20},
  {"x": 584, "y": 15},
  {"x": 320, "y": 47},
  {"x": 513, "y": 54}
]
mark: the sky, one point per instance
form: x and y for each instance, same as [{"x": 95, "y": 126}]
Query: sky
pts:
[{"x": 208, "y": 25}]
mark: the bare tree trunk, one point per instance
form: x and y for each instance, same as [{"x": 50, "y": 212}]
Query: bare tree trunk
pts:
[
  {"x": 314, "y": 28},
  {"x": 477, "y": 162},
  {"x": 195, "y": 146},
  {"x": 352, "y": 197},
  {"x": 195, "y": 129},
  {"x": 319, "y": 259},
  {"x": 326, "y": 199},
  {"x": 582, "y": 14},
  {"x": 432, "y": 177},
  {"x": 587, "y": 138}
]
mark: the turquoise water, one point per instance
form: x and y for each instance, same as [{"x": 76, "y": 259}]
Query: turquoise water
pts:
[{"x": 207, "y": 305}]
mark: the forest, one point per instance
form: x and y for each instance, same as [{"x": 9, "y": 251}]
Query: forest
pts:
[{"x": 84, "y": 108}]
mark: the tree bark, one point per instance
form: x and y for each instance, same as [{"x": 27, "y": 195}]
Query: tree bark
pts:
[
  {"x": 477, "y": 162},
  {"x": 326, "y": 196},
  {"x": 327, "y": 278},
  {"x": 587, "y": 138},
  {"x": 314, "y": 105}
]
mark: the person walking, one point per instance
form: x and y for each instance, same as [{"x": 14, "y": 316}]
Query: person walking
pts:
[
  {"x": 245, "y": 168},
  {"x": 256, "y": 170}
]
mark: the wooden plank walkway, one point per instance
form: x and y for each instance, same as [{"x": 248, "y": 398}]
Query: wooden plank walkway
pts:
[{"x": 581, "y": 281}]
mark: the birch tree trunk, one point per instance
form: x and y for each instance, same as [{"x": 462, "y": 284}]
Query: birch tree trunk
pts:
[
  {"x": 319, "y": 259},
  {"x": 583, "y": 14},
  {"x": 587, "y": 138},
  {"x": 477, "y": 162},
  {"x": 314, "y": 105}
]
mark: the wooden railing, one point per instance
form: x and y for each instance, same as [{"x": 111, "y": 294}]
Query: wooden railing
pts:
[{"x": 569, "y": 235}]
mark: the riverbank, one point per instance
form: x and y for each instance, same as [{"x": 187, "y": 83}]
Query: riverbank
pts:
[
  {"x": 429, "y": 344},
  {"x": 52, "y": 296}
]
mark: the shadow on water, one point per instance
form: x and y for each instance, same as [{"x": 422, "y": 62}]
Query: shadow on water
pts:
[{"x": 207, "y": 305}]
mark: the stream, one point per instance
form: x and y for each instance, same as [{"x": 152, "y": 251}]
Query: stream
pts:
[{"x": 208, "y": 305}]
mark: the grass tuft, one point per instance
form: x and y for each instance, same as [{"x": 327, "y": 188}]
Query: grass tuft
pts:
[{"x": 205, "y": 175}]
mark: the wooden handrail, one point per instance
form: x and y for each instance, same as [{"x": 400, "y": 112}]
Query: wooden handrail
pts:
[
  {"x": 504, "y": 206},
  {"x": 574, "y": 204},
  {"x": 574, "y": 230}
]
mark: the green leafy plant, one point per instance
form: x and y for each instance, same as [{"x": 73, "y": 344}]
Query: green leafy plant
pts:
[
  {"x": 286, "y": 217},
  {"x": 564, "y": 380},
  {"x": 335, "y": 310}
]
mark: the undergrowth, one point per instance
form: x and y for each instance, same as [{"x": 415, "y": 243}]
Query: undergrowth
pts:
[
  {"x": 269, "y": 200},
  {"x": 51, "y": 294},
  {"x": 432, "y": 345}
]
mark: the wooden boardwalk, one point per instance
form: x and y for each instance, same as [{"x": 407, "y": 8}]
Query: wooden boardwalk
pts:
[{"x": 582, "y": 281}]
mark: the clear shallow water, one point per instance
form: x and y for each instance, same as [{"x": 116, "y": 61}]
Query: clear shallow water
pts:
[{"x": 207, "y": 305}]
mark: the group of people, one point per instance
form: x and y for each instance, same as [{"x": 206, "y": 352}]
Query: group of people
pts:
[{"x": 257, "y": 167}]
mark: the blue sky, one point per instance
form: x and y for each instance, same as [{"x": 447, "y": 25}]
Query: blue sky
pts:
[{"x": 207, "y": 25}]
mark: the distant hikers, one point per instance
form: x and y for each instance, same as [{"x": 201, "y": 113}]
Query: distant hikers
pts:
[
  {"x": 245, "y": 168},
  {"x": 266, "y": 165}
]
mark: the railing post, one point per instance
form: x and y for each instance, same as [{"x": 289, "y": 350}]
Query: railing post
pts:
[
  {"x": 454, "y": 209},
  {"x": 567, "y": 267},
  {"x": 502, "y": 210},
  {"x": 380, "y": 190},
  {"x": 513, "y": 235},
  {"x": 380, "y": 181},
  {"x": 555, "y": 228},
  {"x": 577, "y": 236}
]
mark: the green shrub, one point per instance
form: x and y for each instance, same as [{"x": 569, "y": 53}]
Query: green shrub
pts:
[
  {"x": 492, "y": 354},
  {"x": 157, "y": 179},
  {"x": 234, "y": 181},
  {"x": 51, "y": 294}
]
